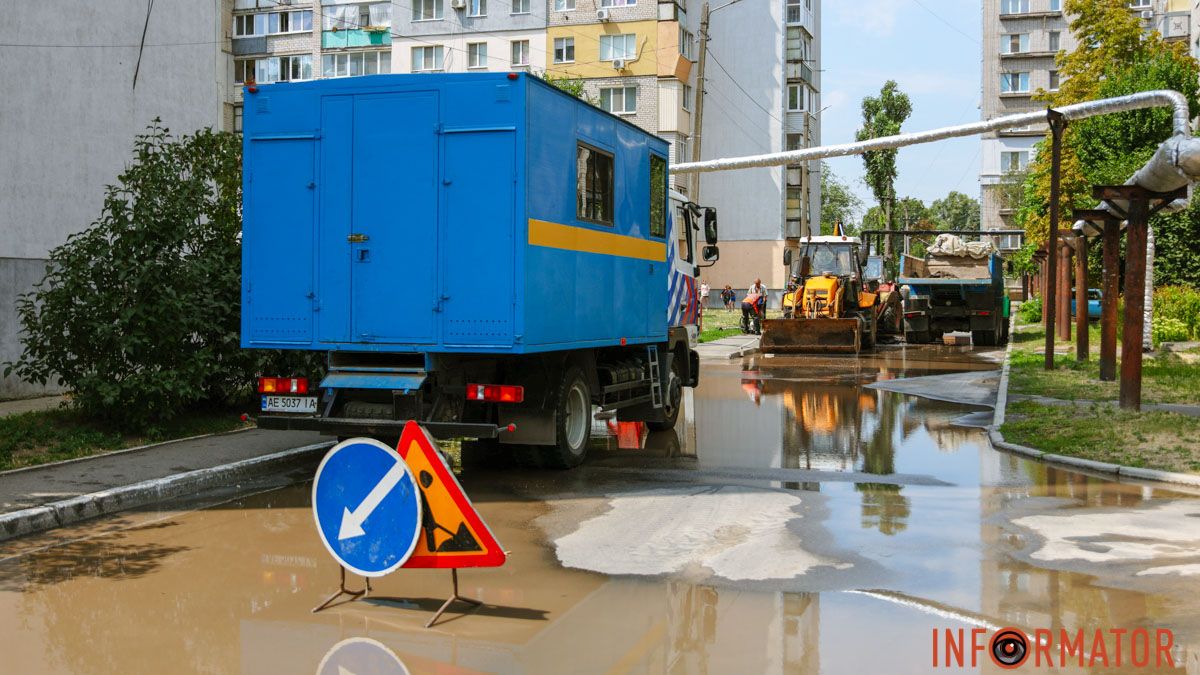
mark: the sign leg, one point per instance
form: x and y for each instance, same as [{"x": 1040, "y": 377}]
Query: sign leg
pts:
[
  {"x": 342, "y": 590},
  {"x": 454, "y": 596}
]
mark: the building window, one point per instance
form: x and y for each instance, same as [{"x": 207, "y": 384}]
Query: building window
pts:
[
  {"x": 564, "y": 50},
  {"x": 618, "y": 3},
  {"x": 426, "y": 58},
  {"x": 520, "y": 7},
  {"x": 520, "y": 52},
  {"x": 426, "y": 10},
  {"x": 1052, "y": 42},
  {"x": 1014, "y": 83},
  {"x": 658, "y": 196},
  {"x": 1055, "y": 5},
  {"x": 357, "y": 16},
  {"x": 1014, "y": 6},
  {"x": 564, "y": 5},
  {"x": 477, "y": 8},
  {"x": 619, "y": 100},
  {"x": 243, "y": 70},
  {"x": 1016, "y": 43},
  {"x": 593, "y": 185},
  {"x": 477, "y": 55},
  {"x": 237, "y": 119},
  {"x": 681, "y": 150},
  {"x": 795, "y": 97},
  {"x": 687, "y": 97},
  {"x": 798, "y": 44},
  {"x": 795, "y": 202},
  {"x": 614, "y": 47},
  {"x": 350, "y": 64},
  {"x": 1014, "y": 161},
  {"x": 795, "y": 142},
  {"x": 295, "y": 68},
  {"x": 1054, "y": 80},
  {"x": 686, "y": 40},
  {"x": 269, "y": 23},
  {"x": 794, "y": 14}
]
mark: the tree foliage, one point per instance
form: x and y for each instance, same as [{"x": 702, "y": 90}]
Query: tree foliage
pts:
[
  {"x": 838, "y": 201},
  {"x": 139, "y": 314},
  {"x": 955, "y": 212},
  {"x": 882, "y": 116},
  {"x": 1115, "y": 56}
]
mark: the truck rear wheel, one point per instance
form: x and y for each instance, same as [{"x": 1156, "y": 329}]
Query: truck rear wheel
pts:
[
  {"x": 983, "y": 338},
  {"x": 573, "y": 422}
]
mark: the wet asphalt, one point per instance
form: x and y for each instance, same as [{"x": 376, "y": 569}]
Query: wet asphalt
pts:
[{"x": 796, "y": 520}]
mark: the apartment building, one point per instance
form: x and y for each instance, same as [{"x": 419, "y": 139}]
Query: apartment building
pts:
[
  {"x": 69, "y": 115},
  {"x": 763, "y": 95},
  {"x": 1020, "y": 41},
  {"x": 469, "y": 36}
]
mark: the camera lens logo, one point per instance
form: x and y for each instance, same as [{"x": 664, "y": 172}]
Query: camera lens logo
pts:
[{"x": 1009, "y": 647}]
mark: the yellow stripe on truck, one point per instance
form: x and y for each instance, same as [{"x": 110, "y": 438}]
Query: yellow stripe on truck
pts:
[{"x": 571, "y": 238}]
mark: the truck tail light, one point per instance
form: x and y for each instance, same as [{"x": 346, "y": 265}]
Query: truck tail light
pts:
[
  {"x": 982, "y": 312},
  {"x": 283, "y": 385},
  {"x": 909, "y": 315},
  {"x": 496, "y": 393}
]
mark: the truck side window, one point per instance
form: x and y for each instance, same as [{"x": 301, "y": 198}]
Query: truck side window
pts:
[
  {"x": 658, "y": 196},
  {"x": 594, "y": 185}
]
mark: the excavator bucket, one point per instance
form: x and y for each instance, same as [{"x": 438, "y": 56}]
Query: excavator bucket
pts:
[{"x": 811, "y": 336}]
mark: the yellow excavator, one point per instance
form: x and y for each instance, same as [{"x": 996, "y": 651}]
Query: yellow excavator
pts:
[{"x": 830, "y": 308}]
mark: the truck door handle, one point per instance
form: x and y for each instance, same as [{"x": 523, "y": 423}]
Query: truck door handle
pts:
[{"x": 357, "y": 238}]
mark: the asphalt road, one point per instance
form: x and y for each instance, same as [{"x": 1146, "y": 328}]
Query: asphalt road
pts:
[{"x": 796, "y": 521}]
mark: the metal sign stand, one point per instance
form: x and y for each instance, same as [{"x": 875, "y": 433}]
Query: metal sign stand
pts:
[
  {"x": 454, "y": 596},
  {"x": 342, "y": 590}
]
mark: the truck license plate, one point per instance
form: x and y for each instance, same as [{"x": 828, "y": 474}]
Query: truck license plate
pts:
[{"x": 289, "y": 404}]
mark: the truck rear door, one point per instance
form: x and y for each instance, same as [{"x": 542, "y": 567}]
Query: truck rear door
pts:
[{"x": 379, "y": 231}]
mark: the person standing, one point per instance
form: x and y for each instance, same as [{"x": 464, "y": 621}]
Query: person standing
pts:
[
  {"x": 703, "y": 294},
  {"x": 728, "y": 296}
]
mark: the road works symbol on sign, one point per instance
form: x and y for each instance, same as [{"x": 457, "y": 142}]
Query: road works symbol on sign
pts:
[
  {"x": 452, "y": 533},
  {"x": 361, "y": 656},
  {"x": 367, "y": 507}
]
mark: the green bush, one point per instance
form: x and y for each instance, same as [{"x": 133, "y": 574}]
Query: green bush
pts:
[
  {"x": 139, "y": 314},
  {"x": 1168, "y": 330},
  {"x": 1031, "y": 310},
  {"x": 1181, "y": 304}
]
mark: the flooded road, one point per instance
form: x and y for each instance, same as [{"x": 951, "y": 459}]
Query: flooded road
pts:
[{"x": 796, "y": 521}]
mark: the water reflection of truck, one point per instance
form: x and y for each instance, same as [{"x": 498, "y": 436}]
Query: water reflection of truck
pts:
[
  {"x": 956, "y": 287},
  {"x": 482, "y": 253}
]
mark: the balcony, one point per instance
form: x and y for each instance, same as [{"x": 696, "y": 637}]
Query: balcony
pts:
[
  {"x": 249, "y": 45},
  {"x": 799, "y": 15},
  {"x": 340, "y": 39},
  {"x": 799, "y": 70}
]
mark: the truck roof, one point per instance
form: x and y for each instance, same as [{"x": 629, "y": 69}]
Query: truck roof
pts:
[{"x": 831, "y": 239}]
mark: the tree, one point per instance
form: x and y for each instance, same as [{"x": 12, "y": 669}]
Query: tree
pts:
[
  {"x": 139, "y": 315},
  {"x": 955, "y": 212},
  {"x": 838, "y": 202},
  {"x": 882, "y": 116},
  {"x": 572, "y": 85}
]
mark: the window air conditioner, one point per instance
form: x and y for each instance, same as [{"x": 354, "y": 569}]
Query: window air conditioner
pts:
[
  {"x": 1147, "y": 14},
  {"x": 602, "y": 14},
  {"x": 458, "y": 4},
  {"x": 618, "y": 64}
]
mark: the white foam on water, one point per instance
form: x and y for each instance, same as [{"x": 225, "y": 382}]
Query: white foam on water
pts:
[
  {"x": 739, "y": 533},
  {"x": 1166, "y": 530}
]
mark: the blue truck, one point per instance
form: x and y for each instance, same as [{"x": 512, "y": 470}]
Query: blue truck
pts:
[
  {"x": 482, "y": 253},
  {"x": 945, "y": 293}
]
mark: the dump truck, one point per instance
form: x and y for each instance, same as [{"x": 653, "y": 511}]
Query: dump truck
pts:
[
  {"x": 957, "y": 286},
  {"x": 481, "y": 253},
  {"x": 831, "y": 309}
]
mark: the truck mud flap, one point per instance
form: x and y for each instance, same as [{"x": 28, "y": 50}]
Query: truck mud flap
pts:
[{"x": 811, "y": 336}]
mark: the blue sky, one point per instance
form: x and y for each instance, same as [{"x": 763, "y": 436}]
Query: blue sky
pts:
[{"x": 932, "y": 49}]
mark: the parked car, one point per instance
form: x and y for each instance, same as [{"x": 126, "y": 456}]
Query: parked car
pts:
[{"x": 1093, "y": 306}]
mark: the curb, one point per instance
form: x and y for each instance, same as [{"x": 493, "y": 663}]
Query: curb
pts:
[
  {"x": 105, "y": 502},
  {"x": 1117, "y": 470}
]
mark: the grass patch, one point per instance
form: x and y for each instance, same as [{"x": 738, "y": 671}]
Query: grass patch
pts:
[
  {"x": 42, "y": 436},
  {"x": 1166, "y": 378},
  {"x": 1155, "y": 440},
  {"x": 710, "y": 334},
  {"x": 719, "y": 323}
]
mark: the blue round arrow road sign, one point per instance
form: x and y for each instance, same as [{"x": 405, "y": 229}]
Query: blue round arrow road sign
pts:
[{"x": 366, "y": 505}]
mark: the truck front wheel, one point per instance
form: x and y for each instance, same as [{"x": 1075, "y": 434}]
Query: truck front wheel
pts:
[
  {"x": 672, "y": 397},
  {"x": 573, "y": 422}
]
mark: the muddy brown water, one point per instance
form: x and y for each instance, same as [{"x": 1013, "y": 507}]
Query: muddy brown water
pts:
[{"x": 793, "y": 522}]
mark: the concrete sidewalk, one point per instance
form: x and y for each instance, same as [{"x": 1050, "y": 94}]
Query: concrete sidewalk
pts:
[
  {"x": 25, "y": 405},
  {"x": 43, "y": 485},
  {"x": 733, "y": 347}
]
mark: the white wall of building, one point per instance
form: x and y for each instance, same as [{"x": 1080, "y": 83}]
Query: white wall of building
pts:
[
  {"x": 455, "y": 51},
  {"x": 68, "y": 117}
]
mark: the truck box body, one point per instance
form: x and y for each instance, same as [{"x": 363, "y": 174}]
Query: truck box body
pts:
[
  {"x": 955, "y": 293},
  {"x": 438, "y": 213}
]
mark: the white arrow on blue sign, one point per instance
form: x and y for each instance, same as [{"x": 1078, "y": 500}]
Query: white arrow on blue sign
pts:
[{"x": 367, "y": 507}]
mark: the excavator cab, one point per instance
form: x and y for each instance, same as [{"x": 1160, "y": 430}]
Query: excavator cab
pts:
[{"x": 830, "y": 310}]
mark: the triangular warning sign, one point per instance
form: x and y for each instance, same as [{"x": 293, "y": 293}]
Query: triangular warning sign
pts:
[{"x": 452, "y": 534}]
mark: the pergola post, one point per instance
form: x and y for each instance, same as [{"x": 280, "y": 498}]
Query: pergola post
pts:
[
  {"x": 1058, "y": 124},
  {"x": 1081, "y": 299},
  {"x": 1108, "y": 227},
  {"x": 1063, "y": 315}
]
